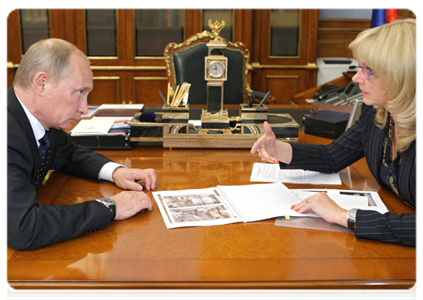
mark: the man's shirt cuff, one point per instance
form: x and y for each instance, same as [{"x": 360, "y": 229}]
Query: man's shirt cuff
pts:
[{"x": 107, "y": 171}]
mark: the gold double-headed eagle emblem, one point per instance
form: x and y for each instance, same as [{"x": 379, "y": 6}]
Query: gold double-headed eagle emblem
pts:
[{"x": 216, "y": 27}]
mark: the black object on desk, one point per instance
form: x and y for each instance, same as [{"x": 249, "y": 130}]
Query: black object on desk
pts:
[
  {"x": 104, "y": 142},
  {"x": 326, "y": 123}
]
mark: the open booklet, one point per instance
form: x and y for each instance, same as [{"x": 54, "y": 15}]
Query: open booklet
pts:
[{"x": 229, "y": 204}]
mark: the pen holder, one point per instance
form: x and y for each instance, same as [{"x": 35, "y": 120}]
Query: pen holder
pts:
[
  {"x": 178, "y": 114},
  {"x": 253, "y": 114}
]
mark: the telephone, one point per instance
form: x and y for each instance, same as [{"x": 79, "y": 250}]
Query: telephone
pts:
[
  {"x": 327, "y": 90},
  {"x": 331, "y": 94}
]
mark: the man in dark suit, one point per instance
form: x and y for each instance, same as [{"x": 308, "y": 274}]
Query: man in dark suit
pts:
[{"x": 49, "y": 94}]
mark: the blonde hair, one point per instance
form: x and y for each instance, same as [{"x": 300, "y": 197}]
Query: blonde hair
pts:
[
  {"x": 390, "y": 50},
  {"x": 50, "y": 56}
]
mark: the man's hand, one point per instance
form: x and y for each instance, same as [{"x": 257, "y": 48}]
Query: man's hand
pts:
[
  {"x": 128, "y": 178},
  {"x": 128, "y": 203}
]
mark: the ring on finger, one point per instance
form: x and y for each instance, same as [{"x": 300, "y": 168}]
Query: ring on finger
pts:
[{"x": 261, "y": 155}]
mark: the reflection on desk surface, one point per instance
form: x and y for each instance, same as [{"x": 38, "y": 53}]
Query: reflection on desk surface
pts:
[
  {"x": 142, "y": 253},
  {"x": 296, "y": 113}
]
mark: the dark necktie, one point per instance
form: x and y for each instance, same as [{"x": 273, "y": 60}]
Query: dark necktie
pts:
[{"x": 44, "y": 151}]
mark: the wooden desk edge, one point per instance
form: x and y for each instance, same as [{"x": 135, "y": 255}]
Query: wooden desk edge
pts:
[{"x": 360, "y": 284}]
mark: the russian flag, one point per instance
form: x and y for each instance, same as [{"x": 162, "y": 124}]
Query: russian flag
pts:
[{"x": 382, "y": 16}]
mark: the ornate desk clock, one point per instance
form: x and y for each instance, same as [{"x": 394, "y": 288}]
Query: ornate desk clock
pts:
[{"x": 215, "y": 74}]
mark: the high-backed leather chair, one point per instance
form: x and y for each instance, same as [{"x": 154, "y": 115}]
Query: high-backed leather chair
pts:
[{"x": 185, "y": 63}]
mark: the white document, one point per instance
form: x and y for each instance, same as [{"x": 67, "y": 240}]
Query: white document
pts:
[
  {"x": 195, "y": 123},
  {"x": 118, "y": 122},
  {"x": 264, "y": 172},
  {"x": 347, "y": 199},
  {"x": 121, "y": 106},
  {"x": 92, "y": 127},
  {"x": 225, "y": 204},
  {"x": 344, "y": 198}
]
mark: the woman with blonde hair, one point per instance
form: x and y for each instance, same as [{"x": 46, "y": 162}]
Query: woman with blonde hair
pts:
[{"x": 385, "y": 135}]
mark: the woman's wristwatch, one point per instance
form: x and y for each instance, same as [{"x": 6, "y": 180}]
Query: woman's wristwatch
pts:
[
  {"x": 351, "y": 216},
  {"x": 110, "y": 204}
]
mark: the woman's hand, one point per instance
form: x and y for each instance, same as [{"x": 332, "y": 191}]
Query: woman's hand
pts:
[
  {"x": 325, "y": 207},
  {"x": 271, "y": 150}
]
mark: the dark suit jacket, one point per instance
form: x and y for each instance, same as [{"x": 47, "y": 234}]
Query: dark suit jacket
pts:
[
  {"x": 364, "y": 138},
  {"x": 31, "y": 224}
]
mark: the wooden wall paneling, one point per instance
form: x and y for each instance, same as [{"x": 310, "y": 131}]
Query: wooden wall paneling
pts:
[
  {"x": 308, "y": 18},
  {"x": 80, "y": 34},
  {"x": 70, "y": 28},
  {"x": 146, "y": 90},
  {"x": 313, "y": 20},
  {"x": 310, "y": 79},
  {"x": 243, "y": 28},
  {"x": 107, "y": 89},
  {"x": 263, "y": 47},
  {"x": 151, "y": 62},
  {"x": 123, "y": 46},
  {"x": 282, "y": 83},
  {"x": 193, "y": 22},
  {"x": 284, "y": 76},
  {"x": 11, "y": 71},
  {"x": 334, "y": 36},
  {"x": 257, "y": 40},
  {"x": 126, "y": 36},
  {"x": 8, "y": 53},
  {"x": 61, "y": 24},
  {"x": 282, "y": 87},
  {"x": 13, "y": 45},
  {"x": 130, "y": 79},
  {"x": 405, "y": 14},
  {"x": 13, "y": 38}
]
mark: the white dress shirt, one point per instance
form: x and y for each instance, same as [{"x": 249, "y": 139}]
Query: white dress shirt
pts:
[{"x": 39, "y": 131}]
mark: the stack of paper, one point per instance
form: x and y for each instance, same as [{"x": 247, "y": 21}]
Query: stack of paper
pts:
[
  {"x": 119, "y": 109},
  {"x": 273, "y": 173},
  {"x": 95, "y": 126}
]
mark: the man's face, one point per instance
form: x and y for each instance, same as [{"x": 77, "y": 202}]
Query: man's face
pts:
[{"x": 65, "y": 101}]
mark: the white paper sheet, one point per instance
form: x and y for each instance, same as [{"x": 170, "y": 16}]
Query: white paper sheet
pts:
[
  {"x": 345, "y": 198},
  {"x": 348, "y": 199},
  {"x": 92, "y": 127},
  {"x": 121, "y": 106},
  {"x": 263, "y": 172}
]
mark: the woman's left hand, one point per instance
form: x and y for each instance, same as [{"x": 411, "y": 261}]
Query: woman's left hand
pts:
[{"x": 321, "y": 204}]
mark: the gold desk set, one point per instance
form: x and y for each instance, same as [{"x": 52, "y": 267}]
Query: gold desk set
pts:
[{"x": 217, "y": 130}]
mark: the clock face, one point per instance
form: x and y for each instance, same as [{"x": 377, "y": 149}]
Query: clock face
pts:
[{"x": 216, "y": 69}]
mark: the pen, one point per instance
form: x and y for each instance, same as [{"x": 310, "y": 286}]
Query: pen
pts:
[
  {"x": 163, "y": 99},
  {"x": 264, "y": 98}
]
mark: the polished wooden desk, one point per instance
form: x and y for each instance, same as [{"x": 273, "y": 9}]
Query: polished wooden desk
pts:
[{"x": 141, "y": 253}]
